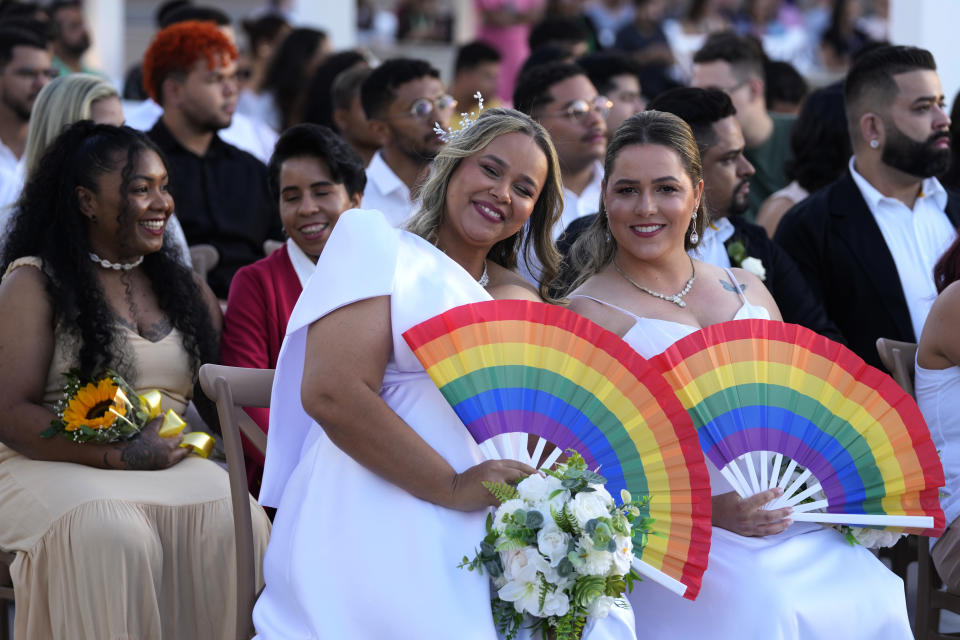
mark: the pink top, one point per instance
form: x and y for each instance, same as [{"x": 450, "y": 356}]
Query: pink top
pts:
[{"x": 510, "y": 41}]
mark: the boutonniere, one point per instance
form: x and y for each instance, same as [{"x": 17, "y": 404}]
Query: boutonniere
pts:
[{"x": 739, "y": 258}]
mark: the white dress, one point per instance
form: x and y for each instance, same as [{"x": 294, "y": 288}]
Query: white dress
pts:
[
  {"x": 806, "y": 583},
  {"x": 938, "y": 395},
  {"x": 351, "y": 555}
]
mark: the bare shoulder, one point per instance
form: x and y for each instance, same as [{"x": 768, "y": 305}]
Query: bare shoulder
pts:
[
  {"x": 585, "y": 301},
  {"x": 24, "y": 290},
  {"x": 940, "y": 342},
  {"x": 756, "y": 292},
  {"x": 509, "y": 285}
]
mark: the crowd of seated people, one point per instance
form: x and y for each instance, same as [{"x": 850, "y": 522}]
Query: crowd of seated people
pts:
[{"x": 347, "y": 196}]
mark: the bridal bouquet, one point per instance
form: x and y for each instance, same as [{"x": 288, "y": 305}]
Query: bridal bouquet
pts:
[
  {"x": 106, "y": 409},
  {"x": 559, "y": 549}
]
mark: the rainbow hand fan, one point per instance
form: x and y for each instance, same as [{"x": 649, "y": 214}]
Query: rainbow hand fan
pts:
[
  {"x": 766, "y": 397},
  {"x": 513, "y": 366}
]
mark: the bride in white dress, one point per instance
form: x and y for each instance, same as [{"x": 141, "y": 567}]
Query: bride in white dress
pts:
[
  {"x": 377, "y": 507},
  {"x": 767, "y": 578}
]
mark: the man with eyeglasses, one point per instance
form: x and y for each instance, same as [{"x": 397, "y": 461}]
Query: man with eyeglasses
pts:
[
  {"x": 25, "y": 69},
  {"x": 402, "y": 99},
  {"x": 561, "y": 97},
  {"x": 616, "y": 76},
  {"x": 734, "y": 64}
]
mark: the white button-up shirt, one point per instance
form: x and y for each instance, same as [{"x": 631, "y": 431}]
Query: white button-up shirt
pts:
[
  {"x": 576, "y": 206},
  {"x": 916, "y": 239},
  {"x": 386, "y": 192},
  {"x": 711, "y": 248}
]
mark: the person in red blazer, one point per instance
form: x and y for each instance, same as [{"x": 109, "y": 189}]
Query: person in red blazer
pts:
[{"x": 316, "y": 176}]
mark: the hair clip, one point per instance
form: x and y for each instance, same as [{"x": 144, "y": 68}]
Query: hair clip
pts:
[{"x": 466, "y": 121}]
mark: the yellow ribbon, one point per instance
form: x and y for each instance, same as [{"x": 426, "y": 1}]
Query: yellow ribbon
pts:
[{"x": 201, "y": 443}]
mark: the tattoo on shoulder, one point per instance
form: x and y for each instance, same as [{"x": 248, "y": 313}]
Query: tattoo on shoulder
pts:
[{"x": 728, "y": 286}]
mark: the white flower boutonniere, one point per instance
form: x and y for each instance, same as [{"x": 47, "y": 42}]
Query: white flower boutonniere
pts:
[{"x": 754, "y": 266}]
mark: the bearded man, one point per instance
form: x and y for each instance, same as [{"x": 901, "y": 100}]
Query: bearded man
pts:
[{"x": 868, "y": 242}]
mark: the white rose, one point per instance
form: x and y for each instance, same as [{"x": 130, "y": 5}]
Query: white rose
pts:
[
  {"x": 557, "y": 501},
  {"x": 875, "y": 538},
  {"x": 595, "y": 561},
  {"x": 553, "y": 543},
  {"x": 555, "y": 604},
  {"x": 754, "y": 266},
  {"x": 533, "y": 489},
  {"x": 523, "y": 564},
  {"x": 503, "y": 510},
  {"x": 623, "y": 556},
  {"x": 588, "y": 505},
  {"x": 601, "y": 491},
  {"x": 600, "y": 607}
]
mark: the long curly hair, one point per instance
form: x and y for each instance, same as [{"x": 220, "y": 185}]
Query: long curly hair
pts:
[
  {"x": 537, "y": 234},
  {"x": 48, "y": 224}
]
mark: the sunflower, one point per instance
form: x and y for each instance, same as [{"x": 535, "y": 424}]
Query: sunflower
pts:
[{"x": 90, "y": 406}]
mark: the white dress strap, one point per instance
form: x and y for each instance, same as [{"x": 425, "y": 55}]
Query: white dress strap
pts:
[
  {"x": 607, "y": 304},
  {"x": 736, "y": 285}
]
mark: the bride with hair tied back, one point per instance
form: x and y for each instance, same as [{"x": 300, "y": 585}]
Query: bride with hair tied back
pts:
[
  {"x": 767, "y": 576},
  {"x": 378, "y": 484}
]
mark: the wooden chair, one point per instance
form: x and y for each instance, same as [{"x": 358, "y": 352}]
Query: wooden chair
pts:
[
  {"x": 232, "y": 388},
  {"x": 930, "y": 599},
  {"x": 204, "y": 258},
  {"x": 6, "y": 593},
  {"x": 898, "y": 357}
]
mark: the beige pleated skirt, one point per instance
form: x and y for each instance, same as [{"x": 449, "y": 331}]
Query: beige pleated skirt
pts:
[{"x": 121, "y": 555}]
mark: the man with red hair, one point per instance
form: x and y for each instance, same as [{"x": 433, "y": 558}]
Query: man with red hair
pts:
[{"x": 220, "y": 191}]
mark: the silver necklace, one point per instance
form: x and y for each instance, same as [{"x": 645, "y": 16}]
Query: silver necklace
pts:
[
  {"x": 676, "y": 299},
  {"x": 484, "y": 279},
  {"x": 116, "y": 266}
]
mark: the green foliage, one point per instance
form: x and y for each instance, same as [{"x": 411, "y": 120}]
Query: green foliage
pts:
[
  {"x": 501, "y": 491},
  {"x": 506, "y": 618},
  {"x": 565, "y": 520}
]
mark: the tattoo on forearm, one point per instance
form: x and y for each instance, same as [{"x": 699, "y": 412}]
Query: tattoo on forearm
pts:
[
  {"x": 138, "y": 455},
  {"x": 727, "y": 286}
]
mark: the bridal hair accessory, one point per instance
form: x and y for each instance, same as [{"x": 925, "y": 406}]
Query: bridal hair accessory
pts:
[
  {"x": 466, "y": 121},
  {"x": 116, "y": 266},
  {"x": 676, "y": 299},
  {"x": 513, "y": 367},
  {"x": 694, "y": 236}
]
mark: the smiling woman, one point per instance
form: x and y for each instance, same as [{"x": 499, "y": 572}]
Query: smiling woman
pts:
[
  {"x": 130, "y": 530},
  {"x": 315, "y": 176}
]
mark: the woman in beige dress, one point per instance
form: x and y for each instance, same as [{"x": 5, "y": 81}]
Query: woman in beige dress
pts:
[{"x": 132, "y": 539}]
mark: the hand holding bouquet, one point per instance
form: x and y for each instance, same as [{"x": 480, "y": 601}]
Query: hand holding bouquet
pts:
[
  {"x": 560, "y": 550},
  {"x": 106, "y": 409}
]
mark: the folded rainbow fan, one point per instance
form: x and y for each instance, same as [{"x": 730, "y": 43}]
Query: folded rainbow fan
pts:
[
  {"x": 768, "y": 397},
  {"x": 515, "y": 367}
]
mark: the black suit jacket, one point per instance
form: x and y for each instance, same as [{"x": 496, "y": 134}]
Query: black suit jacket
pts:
[
  {"x": 786, "y": 284},
  {"x": 834, "y": 239},
  {"x": 783, "y": 279}
]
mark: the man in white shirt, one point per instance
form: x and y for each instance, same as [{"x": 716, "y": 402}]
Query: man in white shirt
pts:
[
  {"x": 561, "y": 97},
  {"x": 403, "y": 98},
  {"x": 868, "y": 242},
  {"x": 25, "y": 68}
]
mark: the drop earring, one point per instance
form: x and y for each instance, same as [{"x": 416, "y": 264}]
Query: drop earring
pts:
[{"x": 694, "y": 236}]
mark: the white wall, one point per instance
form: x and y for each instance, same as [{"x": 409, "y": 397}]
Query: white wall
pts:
[
  {"x": 931, "y": 24},
  {"x": 337, "y": 17}
]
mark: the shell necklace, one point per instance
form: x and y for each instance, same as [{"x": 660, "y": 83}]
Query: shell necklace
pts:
[
  {"x": 676, "y": 299},
  {"x": 116, "y": 266}
]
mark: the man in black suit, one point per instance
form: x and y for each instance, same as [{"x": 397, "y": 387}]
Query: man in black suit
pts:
[{"x": 867, "y": 243}]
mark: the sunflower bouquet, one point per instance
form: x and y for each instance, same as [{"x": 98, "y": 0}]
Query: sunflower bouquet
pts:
[{"x": 106, "y": 409}]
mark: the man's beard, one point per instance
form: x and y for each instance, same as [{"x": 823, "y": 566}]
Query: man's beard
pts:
[
  {"x": 21, "y": 110},
  {"x": 77, "y": 49},
  {"x": 739, "y": 204},
  {"x": 915, "y": 158}
]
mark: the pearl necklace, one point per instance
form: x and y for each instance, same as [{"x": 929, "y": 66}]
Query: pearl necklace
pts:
[
  {"x": 116, "y": 266},
  {"x": 676, "y": 299},
  {"x": 484, "y": 279}
]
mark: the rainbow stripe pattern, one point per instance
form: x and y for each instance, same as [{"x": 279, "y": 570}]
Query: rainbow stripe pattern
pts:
[
  {"x": 758, "y": 385},
  {"x": 514, "y": 366}
]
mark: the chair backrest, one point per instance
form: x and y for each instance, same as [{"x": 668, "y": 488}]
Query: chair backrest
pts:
[
  {"x": 898, "y": 357},
  {"x": 204, "y": 258},
  {"x": 232, "y": 388}
]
